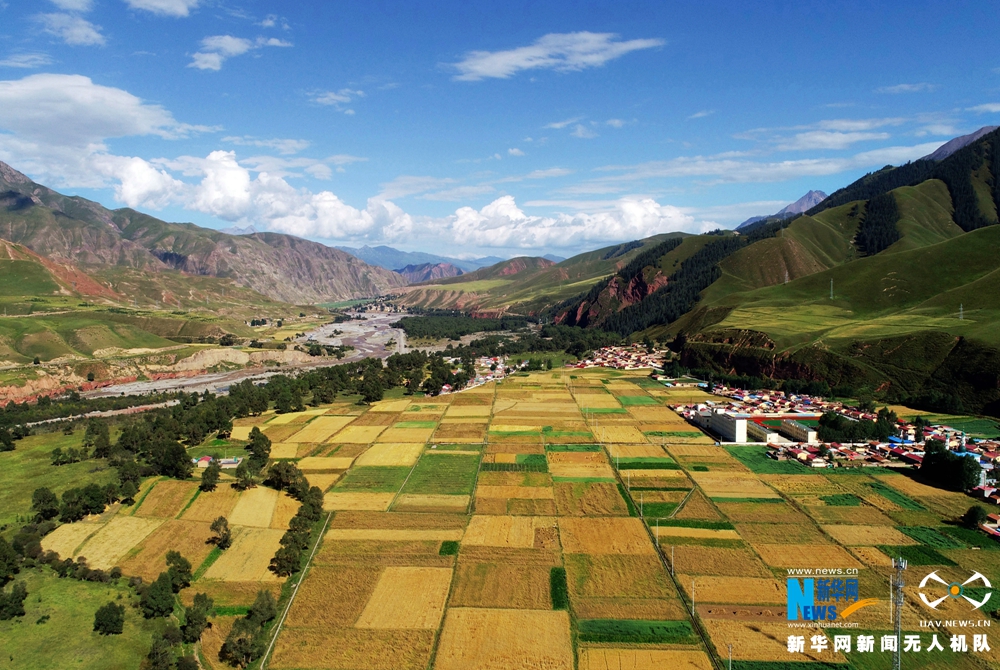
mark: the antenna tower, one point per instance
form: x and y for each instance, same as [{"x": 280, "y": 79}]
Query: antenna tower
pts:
[{"x": 899, "y": 565}]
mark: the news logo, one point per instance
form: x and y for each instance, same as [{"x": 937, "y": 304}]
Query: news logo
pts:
[
  {"x": 813, "y": 599},
  {"x": 953, "y": 590}
]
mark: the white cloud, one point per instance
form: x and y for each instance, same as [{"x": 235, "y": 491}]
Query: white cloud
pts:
[
  {"x": 583, "y": 132},
  {"x": 215, "y": 49},
  {"x": 562, "y": 52},
  {"x": 826, "y": 139},
  {"x": 988, "y": 108},
  {"x": 702, "y": 114},
  {"x": 74, "y": 5},
  {"x": 177, "y": 8},
  {"x": 559, "y": 125},
  {"x": 337, "y": 99},
  {"x": 922, "y": 87},
  {"x": 71, "y": 29},
  {"x": 514, "y": 151},
  {"x": 282, "y": 146},
  {"x": 615, "y": 123},
  {"x": 459, "y": 193},
  {"x": 301, "y": 166},
  {"x": 27, "y": 61},
  {"x": 405, "y": 185}
]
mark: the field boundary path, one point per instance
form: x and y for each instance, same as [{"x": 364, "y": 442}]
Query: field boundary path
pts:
[{"x": 295, "y": 591}]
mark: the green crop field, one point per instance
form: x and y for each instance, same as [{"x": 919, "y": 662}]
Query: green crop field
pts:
[
  {"x": 373, "y": 478},
  {"x": 453, "y": 474},
  {"x": 930, "y": 537},
  {"x": 756, "y": 459},
  {"x": 632, "y": 631}
]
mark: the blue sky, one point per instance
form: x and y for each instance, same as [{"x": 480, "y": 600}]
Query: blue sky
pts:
[{"x": 488, "y": 127}]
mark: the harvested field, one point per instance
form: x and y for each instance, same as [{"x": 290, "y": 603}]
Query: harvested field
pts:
[
  {"x": 862, "y": 514},
  {"x": 254, "y": 508},
  {"x": 609, "y": 535},
  {"x": 720, "y": 561},
  {"x": 420, "y": 435},
  {"x": 320, "y": 429},
  {"x": 323, "y": 481},
  {"x": 469, "y": 433},
  {"x": 296, "y": 417},
  {"x": 66, "y": 538},
  {"x": 284, "y": 510},
  {"x": 504, "y": 531},
  {"x": 677, "y": 477},
  {"x": 358, "y": 434},
  {"x": 697, "y": 451},
  {"x": 603, "y": 658},
  {"x": 284, "y": 449},
  {"x": 533, "y": 492},
  {"x": 596, "y": 401},
  {"x": 280, "y": 433},
  {"x": 732, "y": 485},
  {"x": 166, "y": 499},
  {"x": 351, "y": 648},
  {"x": 350, "y": 500},
  {"x": 770, "y": 511},
  {"x": 797, "y": 555},
  {"x": 801, "y": 484},
  {"x": 376, "y": 419},
  {"x": 399, "y": 454},
  {"x": 148, "y": 559},
  {"x": 429, "y": 501},
  {"x": 501, "y": 585},
  {"x": 248, "y": 557},
  {"x": 373, "y": 553},
  {"x": 760, "y": 641},
  {"x": 407, "y": 598},
  {"x": 241, "y": 433},
  {"x": 783, "y": 533},
  {"x": 872, "y": 557},
  {"x": 390, "y": 406},
  {"x": 489, "y": 639},
  {"x": 468, "y": 410},
  {"x": 589, "y": 499},
  {"x": 582, "y": 470},
  {"x": 112, "y": 542},
  {"x": 698, "y": 507},
  {"x": 333, "y": 596},
  {"x": 868, "y": 535},
  {"x": 637, "y": 451},
  {"x": 615, "y": 434},
  {"x": 210, "y": 506},
  {"x": 735, "y": 590},
  {"x": 394, "y": 534},
  {"x": 617, "y": 576},
  {"x": 324, "y": 464}
]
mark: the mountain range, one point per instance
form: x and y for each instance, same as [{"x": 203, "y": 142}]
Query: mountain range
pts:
[{"x": 808, "y": 201}]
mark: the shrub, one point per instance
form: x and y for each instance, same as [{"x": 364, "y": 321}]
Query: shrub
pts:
[{"x": 109, "y": 619}]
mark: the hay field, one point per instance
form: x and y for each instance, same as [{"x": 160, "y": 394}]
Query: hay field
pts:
[
  {"x": 393, "y": 406},
  {"x": 166, "y": 499},
  {"x": 529, "y": 492},
  {"x": 504, "y": 531},
  {"x": 734, "y": 590},
  {"x": 254, "y": 508},
  {"x": 352, "y": 648},
  {"x": 697, "y": 451},
  {"x": 467, "y": 410},
  {"x": 618, "y": 576},
  {"x": 320, "y": 429},
  {"x": 797, "y": 555},
  {"x": 490, "y": 639},
  {"x": 698, "y": 507},
  {"x": 115, "y": 539},
  {"x": 719, "y": 561},
  {"x": 333, "y": 596},
  {"x": 667, "y": 532},
  {"x": 358, "y": 434},
  {"x": 411, "y": 435},
  {"x": 284, "y": 449},
  {"x": 407, "y": 598},
  {"x": 148, "y": 559},
  {"x": 591, "y": 470},
  {"x": 284, "y": 510},
  {"x": 350, "y": 500},
  {"x": 391, "y": 453},
  {"x": 759, "y": 641},
  {"x": 241, "y": 433},
  {"x": 434, "y": 501},
  {"x": 323, "y": 481},
  {"x": 248, "y": 557},
  {"x": 66, "y": 538},
  {"x": 604, "y": 658},
  {"x": 868, "y": 535},
  {"x": 501, "y": 585},
  {"x": 210, "y": 506},
  {"x": 609, "y": 535},
  {"x": 589, "y": 499},
  {"x": 394, "y": 534},
  {"x": 637, "y": 451},
  {"x": 781, "y": 533}
]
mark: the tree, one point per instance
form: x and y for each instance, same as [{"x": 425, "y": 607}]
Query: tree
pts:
[
  {"x": 188, "y": 662},
  {"x": 196, "y": 618},
  {"x": 371, "y": 389},
  {"x": 974, "y": 517},
  {"x": 264, "y": 608},
  {"x": 244, "y": 477},
  {"x": 223, "y": 536},
  {"x": 10, "y": 562},
  {"x": 128, "y": 491},
  {"x": 158, "y": 598},
  {"x": 109, "y": 619},
  {"x": 286, "y": 561},
  {"x": 179, "y": 571},
  {"x": 244, "y": 644},
  {"x": 45, "y": 503},
  {"x": 210, "y": 477},
  {"x": 161, "y": 655},
  {"x": 12, "y": 604}
]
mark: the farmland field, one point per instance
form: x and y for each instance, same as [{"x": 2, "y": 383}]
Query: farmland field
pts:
[{"x": 517, "y": 527}]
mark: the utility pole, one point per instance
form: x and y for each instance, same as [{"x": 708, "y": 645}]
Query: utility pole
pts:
[
  {"x": 730, "y": 656},
  {"x": 899, "y": 565},
  {"x": 831, "y": 289},
  {"x": 961, "y": 312},
  {"x": 692, "y": 597},
  {"x": 671, "y": 560}
]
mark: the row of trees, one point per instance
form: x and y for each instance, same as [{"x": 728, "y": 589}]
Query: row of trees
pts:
[
  {"x": 956, "y": 471},
  {"x": 454, "y": 327},
  {"x": 835, "y": 427}
]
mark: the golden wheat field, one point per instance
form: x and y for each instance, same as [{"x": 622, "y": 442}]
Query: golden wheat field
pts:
[
  {"x": 488, "y": 639},
  {"x": 391, "y": 453},
  {"x": 166, "y": 499},
  {"x": 255, "y": 507},
  {"x": 148, "y": 558},
  {"x": 66, "y": 538},
  {"x": 357, "y": 501},
  {"x": 320, "y": 429},
  {"x": 248, "y": 557},
  {"x": 850, "y": 536},
  {"x": 605, "y": 658},
  {"x": 609, "y": 535},
  {"x": 407, "y": 598},
  {"x": 209, "y": 506},
  {"x": 112, "y": 542},
  {"x": 358, "y": 434}
]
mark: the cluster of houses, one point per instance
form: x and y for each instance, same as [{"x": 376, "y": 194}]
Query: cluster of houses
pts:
[
  {"x": 788, "y": 425},
  {"x": 224, "y": 463},
  {"x": 635, "y": 357}
]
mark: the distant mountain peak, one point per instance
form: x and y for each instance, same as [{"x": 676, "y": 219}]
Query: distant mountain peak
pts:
[
  {"x": 951, "y": 146},
  {"x": 805, "y": 203},
  {"x": 12, "y": 176},
  {"x": 236, "y": 230}
]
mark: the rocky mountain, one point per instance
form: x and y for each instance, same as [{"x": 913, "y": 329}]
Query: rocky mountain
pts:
[
  {"x": 950, "y": 147},
  {"x": 414, "y": 274},
  {"x": 82, "y": 232},
  {"x": 806, "y": 202},
  {"x": 389, "y": 258}
]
